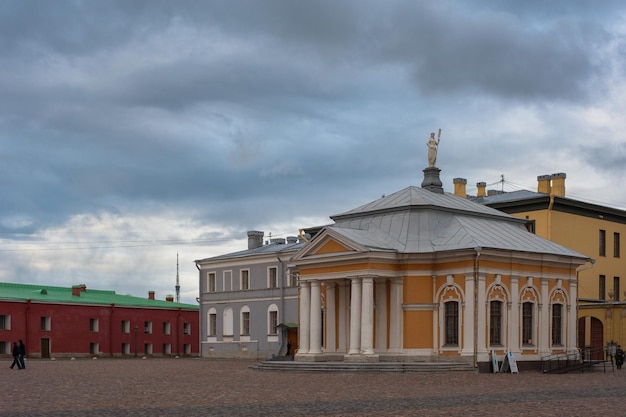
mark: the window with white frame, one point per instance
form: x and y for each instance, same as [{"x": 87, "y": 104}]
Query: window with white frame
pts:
[
  {"x": 212, "y": 323},
  {"x": 528, "y": 320},
  {"x": 495, "y": 323},
  {"x": 45, "y": 323},
  {"x": 186, "y": 329},
  {"x": 147, "y": 327},
  {"x": 93, "y": 325},
  {"x": 5, "y": 322},
  {"x": 147, "y": 348},
  {"x": 125, "y": 326},
  {"x": 272, "y": 277},
  {"x": 94, "y": 348},
  {"x": 451, "y": 311},
  {"x": 167, "y": 349},
  {"x": 557, "y": 324},
  {"x": 293, "y": 280},
  {"x": 245, "y": 321},
  {"x": 245, "y": 279},
  {"x": 228, "y": 280},
  {"x": 166, "y": 328},
  {"x": 125, "y": 348},
  {"x": 228, "y": 322},
  {"x": 211, "y": 282},
  {"x": 272, "y": 321}
]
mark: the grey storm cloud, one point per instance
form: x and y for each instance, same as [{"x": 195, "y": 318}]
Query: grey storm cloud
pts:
[{"x": 239, "y": 114}]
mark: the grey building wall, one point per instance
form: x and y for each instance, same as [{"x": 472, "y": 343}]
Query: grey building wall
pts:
[{"x": 260, "y": 343}]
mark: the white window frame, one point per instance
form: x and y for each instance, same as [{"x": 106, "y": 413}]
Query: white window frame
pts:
[
  {"x": 272, "y": 329},
  {"x": 246, "y": 273},
  {"x": 271, "y": 284},
  {"x": 6, "y": 321},
  {"x": 243, "y": 335},
  {"x": 94, "y": 325},
  {"x": 227, "y": 280},
  {"x": 211, "y": 282},
  {"x": 211, "y": 328}
]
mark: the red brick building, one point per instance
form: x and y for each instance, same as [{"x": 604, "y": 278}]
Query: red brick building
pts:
[{"x": 76, "y": 321}]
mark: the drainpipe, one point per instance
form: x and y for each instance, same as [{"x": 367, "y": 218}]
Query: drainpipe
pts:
[
  {"x": 26, "y": 339},
  {"x": 476, "y": 269},
  {"x": 549, "y": 237},
  {"x": 282, "y": 299}
]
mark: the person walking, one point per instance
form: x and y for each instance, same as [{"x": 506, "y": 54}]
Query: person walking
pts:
[
  {"x": 22, "y": 348},
  {"x": 16, "y": 356},
  {"x": 619, "y": 357}
]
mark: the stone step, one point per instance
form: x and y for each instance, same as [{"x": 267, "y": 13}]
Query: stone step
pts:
[{"x": 363, "y": 367}]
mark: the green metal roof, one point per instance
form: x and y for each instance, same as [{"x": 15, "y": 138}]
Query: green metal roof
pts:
[{"x": 50, "y": 294}]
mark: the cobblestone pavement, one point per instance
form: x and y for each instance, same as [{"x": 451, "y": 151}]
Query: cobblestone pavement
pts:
[{"x": 202, "y": 387}]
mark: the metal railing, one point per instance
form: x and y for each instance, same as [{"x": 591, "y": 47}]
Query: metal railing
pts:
[{"x": 579, "y": 360}]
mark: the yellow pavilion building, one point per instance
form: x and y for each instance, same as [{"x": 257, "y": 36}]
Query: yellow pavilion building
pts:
[{"x": 425, "y": 275}]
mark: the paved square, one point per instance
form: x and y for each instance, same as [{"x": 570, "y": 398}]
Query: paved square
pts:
[{"x": 202, "y": 387}]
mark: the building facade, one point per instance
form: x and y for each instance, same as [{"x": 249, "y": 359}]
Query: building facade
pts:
[
  {"x": 76, "y": 321},
  {"x": 248, "y": 301},
  {"x": 426, "y": 275},
  {"x": 591, "y": 229}
]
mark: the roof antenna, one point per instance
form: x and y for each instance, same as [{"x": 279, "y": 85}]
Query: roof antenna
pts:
[{"x": 177, "y": 281}]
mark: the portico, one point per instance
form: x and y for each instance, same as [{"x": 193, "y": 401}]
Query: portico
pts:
[{"x": 362, "y": 316}]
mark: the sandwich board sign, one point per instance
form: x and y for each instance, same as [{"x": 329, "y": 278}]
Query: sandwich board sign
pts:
[
  {"x": 494, "y": 362},
  {"x": 509, "y": 363}
]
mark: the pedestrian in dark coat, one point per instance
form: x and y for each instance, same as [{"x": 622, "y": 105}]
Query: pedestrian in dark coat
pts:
[
  {"x": 22, "y": 347},
  {"x": 619, "y": 357},
  {"x": 16, "y": 356}
]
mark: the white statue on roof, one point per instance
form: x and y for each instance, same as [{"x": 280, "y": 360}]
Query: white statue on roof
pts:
[{"x": 432, "y": 148}]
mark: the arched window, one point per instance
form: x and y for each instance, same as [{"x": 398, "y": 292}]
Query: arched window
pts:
[
  {"x": 557, "y": 324},
  {"x": 212, "y": 322},
  {"x": 451, "y": 322},
  {"x": 495, "y": 323},
  {"x": 528, "y": 320},
  {"x": 272, "y": 320},
  {"x": 244, "y": 321},
  {"x": 228, "y": 322}
]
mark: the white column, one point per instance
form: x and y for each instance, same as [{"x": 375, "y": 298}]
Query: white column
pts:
[
  {"x": 355, "y": 316},
  {"x": 344, "y": 299},
  {"x": 482, "y": 315},
  {"x": 395, "y": 315},
  {"x": 367, "y": 316},
  {"x": 572, "y": 315},
  {"x": 331, "y": 343},
  {"x": 544, "y": 319},
  {"x": 316, "y": 318},
  {"x": 468, "y": 316},
  {"x": 515, "y": 324},
  {"x": 381, "y": 314},
  {"x": 305, "y": 317}
]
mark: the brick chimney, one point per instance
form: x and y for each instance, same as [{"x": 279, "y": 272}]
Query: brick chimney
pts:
[
  {"x": 255, "y": 239},
  {"x": 169, "y": 298},
  {"x": 460, "y": 187},
  {"x": 76, "y": 290},
  {"x": 150, "y": 295},
  {"x": 482, "y": 189},
  {"x": 543, "y": 184}
]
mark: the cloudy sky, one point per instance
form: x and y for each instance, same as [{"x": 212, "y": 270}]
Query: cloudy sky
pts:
[{"x": 131, "y": 131}]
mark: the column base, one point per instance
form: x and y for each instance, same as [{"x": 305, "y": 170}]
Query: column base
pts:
[
  {"x": 361, "y": 358},
  {"x": 310, "y": 357}
]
